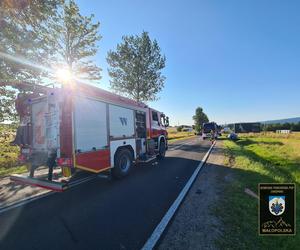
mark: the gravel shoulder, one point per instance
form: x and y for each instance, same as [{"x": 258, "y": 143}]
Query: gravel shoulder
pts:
[{"x": 195, "y": 226}]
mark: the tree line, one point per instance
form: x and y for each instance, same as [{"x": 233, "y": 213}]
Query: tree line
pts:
[
  {"x": 284, "y": 126},
  {"x": 39, "y": 37}
]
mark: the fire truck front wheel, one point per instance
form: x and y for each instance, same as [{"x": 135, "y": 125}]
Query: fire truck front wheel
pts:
[
  {"x": 162, "y": 150},
  {"x": 123, "y": 163}
]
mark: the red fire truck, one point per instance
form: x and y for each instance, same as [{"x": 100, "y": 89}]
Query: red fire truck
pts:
[{"x": 83, "y": 127}]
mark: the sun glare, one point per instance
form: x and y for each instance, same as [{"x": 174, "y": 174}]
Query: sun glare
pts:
[{"x": 64, "y": 75}]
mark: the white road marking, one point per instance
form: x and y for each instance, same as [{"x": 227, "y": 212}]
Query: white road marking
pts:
[
  {"x": 158, "y": 231},
  {"x": 25, "y": 201}
]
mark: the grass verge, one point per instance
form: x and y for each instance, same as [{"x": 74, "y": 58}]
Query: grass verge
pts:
[{"x": 255, "y": 159}]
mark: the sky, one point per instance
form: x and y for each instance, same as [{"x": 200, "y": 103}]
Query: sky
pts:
[{"x": 238, "y": 60}]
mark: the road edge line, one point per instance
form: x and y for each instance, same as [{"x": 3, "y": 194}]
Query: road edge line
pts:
[
  {"x": 25, "y": 201},
  {"x": 35, "y": 197},
  {"x": 160, "y": 228}
]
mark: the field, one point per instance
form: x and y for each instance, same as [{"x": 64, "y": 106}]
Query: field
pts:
[
  {"x": 9, "y": 154},
  {"x": 255, "y": 159},
  {"x": 173, "y": 135}
]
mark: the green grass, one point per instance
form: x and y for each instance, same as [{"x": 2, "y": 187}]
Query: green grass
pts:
[
  {"x": 9, "y": 154},
  {"x": 256, "y": 159}
]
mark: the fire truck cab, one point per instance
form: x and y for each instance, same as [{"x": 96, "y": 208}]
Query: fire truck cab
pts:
[{"x": 84, "y": 127}]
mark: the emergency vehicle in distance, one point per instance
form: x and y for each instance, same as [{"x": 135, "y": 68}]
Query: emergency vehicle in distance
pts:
[
  {"x": 208, "y": 128},
  {"x": 80, "y": 126}
]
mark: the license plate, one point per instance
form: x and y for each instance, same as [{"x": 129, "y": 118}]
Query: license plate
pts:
[{"x": 25, "y": 150}]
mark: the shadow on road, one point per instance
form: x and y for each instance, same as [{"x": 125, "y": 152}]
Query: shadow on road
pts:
[{"x": 102, "y": 213}]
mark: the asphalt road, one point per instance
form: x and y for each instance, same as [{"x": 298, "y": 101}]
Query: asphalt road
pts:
[{"x": 104, "y": 214}]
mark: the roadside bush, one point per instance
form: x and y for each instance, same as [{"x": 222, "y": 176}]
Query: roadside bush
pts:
[
  {"x": 179, "y": 128},
  {"x": 8, "y": 154}
]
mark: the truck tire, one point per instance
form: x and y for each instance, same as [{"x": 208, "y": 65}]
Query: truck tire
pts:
[
  {"x": 162, "y": 150},
  {"x": 123, "y": 163}
]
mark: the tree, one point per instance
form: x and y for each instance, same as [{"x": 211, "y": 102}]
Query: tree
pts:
[
  {"x": 199, "y": 118},
  {"x": 22, "y": 24},
  {"x": 282, "y": 126},
  {"x": 179, "y": 128},
  {"x": 23, "y": 35},
  {"x": 73, "y": 42},
  {"x": 135, "y": 68},
  {"x": 51, "y": 33}
]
